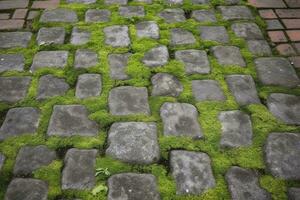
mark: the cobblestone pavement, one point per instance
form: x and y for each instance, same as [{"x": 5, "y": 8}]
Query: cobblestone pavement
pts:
[{"x": 149, "y": 99}]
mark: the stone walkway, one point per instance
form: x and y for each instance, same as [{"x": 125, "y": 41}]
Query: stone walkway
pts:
[{"x": 148, "y": 100}]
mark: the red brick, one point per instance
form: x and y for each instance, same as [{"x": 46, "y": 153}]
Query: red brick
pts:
[
  {"x": 285, "y": 50},
  {"x": 293, "y": 3},
  {"x": 295, "y": 61},
  {"x": 4, "y": 15},
  {"x": 50, "y": 4},
  {"x": 294, "y": 35},
  {"x": 267, "y": 3},
  {"x": 20, "y": 14},
  {"x": 6, "y": 5},
  {"x": 277, "y": 36},
  {"x": 11, "y": 24},
  {"x": 267, "y": 14},
  {"x": 288, "y": 13},
  {"x": 291, "y": 23}
]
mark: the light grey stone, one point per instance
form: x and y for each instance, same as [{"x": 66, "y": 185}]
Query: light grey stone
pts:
[
  {"x": 59, "y": 15},
  {"x": 228, "y": 55},
  {"x": 204, "y": 15},
  {"x": 181, "y": 37},
  {"x": 88, "y": 85},
  {"x": 174, "y": 2},
  {"x": 148, "y": 29},
  {"x": 165, "y": 84},
  {"x": 50, "y": 86},
  {"x": 117, "y": 65},
  {"x": 82, "y": 1},
  {"x": 119, "y": 2},
  {"x": 117, "y": 36},
  {"x": 247, "y": 30},
  {"x": 52, "y": 59},
  {"x": 14, "y": 39},
  {"x": 144, "y": 1},
  {"x": 97, "y": 15},
  {"x": 259, "y": 47},
  {"x": 85, "y": 58},
  {"x": 274, "y": 24},
  {"x": 294, "y": 193},
  {"x": 235, "y": 12},
  {"x": 156, "y": 57},
  {"x": 231, "y": 2},
  {"x": 52, "y": 35},
  {"x": 214, "y": 33},
  {"x": 2, "y": 160},
  {"x": 172, "y": 15},
  {"x": 207, "y": 90},
  {"x": 80, "y": 36},
  {"x": 132, "y": 11},
  {"x": 11, "y": 62}
]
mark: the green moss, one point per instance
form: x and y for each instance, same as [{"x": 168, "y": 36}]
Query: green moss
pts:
[{"x": 276, "y": 187}]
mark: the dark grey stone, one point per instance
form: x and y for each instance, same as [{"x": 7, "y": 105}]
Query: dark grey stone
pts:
[
  {"x": 156, "y": 57},
  {"x": 97, "y": 15},
  {"x": 214, "y": 33},
  {"x": 52, "y": 59},
  {"x": 50, "y": 86},
  {"x": 282, "y": 155},
  {"x": 259, "y": 47},
  {"x": 132, "y": 11},
  {"x": 117, "y": 65},
  {"x": 11, "y": 62},
  {"x": 132, "y": 186},
  {"x": 128, "y": 100},
  {"x": 69, "y": 120},
  {"x": 88, "y": 85},
  {"x": 82, "y": 1},
  {"x": 52, "y": 35},
  {"x": 164, "y": 84},
  {"x": 180, "y": 36},
  {"x": 247, "y": 30},
  {"x": 80, "y": 36},
  {"x": 235, "y": 12},
  {"x": 133, "y": 142},
  {"x": 200, "y": 1},
  {"x": 172, "y": 15},
  {"x": 79, "y": 170},
  {"x": 244, "y": 184},
  {"x": 117, "y": 36},
  {"x": 85, "y": 58},
  {"x": 59, "y": 15},
  {"x": 204, "y": 15},
  {"x": 174, "y": 2},
  {"x": 119, "y": 2},
  {"x": 148, "y": 29},
  {"x": 180, "y": 119},
  {"x": 228, "y": 55},
  {"x": 294, "y": 193},
  {"x": 2, "y": 159},
  {"x": 14, "y": 39},
  {"x": 207, "y": 90},
  {"x": 192, "y": 172}
]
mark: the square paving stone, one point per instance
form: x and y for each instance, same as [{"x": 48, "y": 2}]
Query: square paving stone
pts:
[
  {"x": 156, "y": 57},
  {"x": 164, "y": 84},
  {"x": 97, "y": 15},
  {"x": 32, "y": 158},
  {"x": 172, "y": 15},
  {"x": 285, "y": 107},
  {"x": 2, "y": 159},
  {"x": 128, "y": 100},
  {"x": 236, "y": 129},
  {"x": 204, "y": 15},
  {"x": 79, "y": 169},
  {"x": 59, "y": 15},
  {"x": 27, "y": 188},
  {"x": 11, "y": 62},
  {"x": 282, "y": 155},
  {"x": 195, "y": 61},
  {"x": 181, "y": 37},
  {"x": 52, "y": 59},
  {"x": 276, "y": 71},
  {"x": 244, "y": 184},
  {"x": 119, "y": 2},
  {"x": 191, "y": 171},
  {"x": 80, "y": 36},
  {"x": 52, "y": 35},
  {"x": 235, "y": 12},
  {"x": 85, "y": 58},
  {"x": 132, "y": 11},
  {"x": 247, "y": 30},
  {"x": 117, "y": 65},
  {"x": 180, "y": 119},
  {"x": 228, "y": 55},
  {"x": 88, "y": 85},
  {"x": 14, "y": 39},
  {"x": 133, "y": 186},
  {"x": 243, "y": 89},
  {"x": 50, "y": 86},
  {"x": 20, "y": 121},
  {"x": 117, "y": 36},
  {"x": 214, "y": 33},
  {"x": 14, "y": 89},
  {"x": 294, "y": 193},
  {"x": 148, "y": 29},
  {"x": 207, "y": 90},
  {"x": 259, "y": 47},
  {"x": 70, "y": 120},
  {"x": 133, "y": 142},
  {"x": 82, "y": 1}
]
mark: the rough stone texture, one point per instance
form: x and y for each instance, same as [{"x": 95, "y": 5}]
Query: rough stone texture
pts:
[
  {"x": 80, "y": 36},
  {"x": 207, "y": 90},
  {"x": 88, "y": 85},
  {"x": 59, "y": 15},
  {"x": 133, "y": 142},
  {"x": 228, "y": 55},
  {"x": 191, "y": 171},
  {"x": 79, "y": 172},
  {"x": 69, "y": 120},
  {"x": 131, "y": 11},
  {"x": 214, "y": 33},
  {"x": 2, "y": 159},
  {"x": 11, "y": 62},
  {"x": 276, "y": 71},
  {"x": 285, "y": 107},
  {"x": 244, "y": 184},
  {"x": 82, "y": 1},
  {"x": 249, "y": 31},
  {"x": 243, "y": 89},
  {"x": 204, "y": 15},
  {"x": 195, "y": 61},
  {"x": 14, "y": 89},
  {"x": 157, "y": 56},
  {"x": 85, "y": 58},
  {"x": 180, "y": 36},
  {"x": 235, "y": 12},
  {"x": 294, "y": 193},
  {"x": 132, "y": 186},
  {"x": 52, "y": 59},
  {"x": 52, "y": 35},
  {"x": 50, "y": 86},
  {"x": 282, "y": 155},
  {"x": 165, "y": 84},
  {"x": 236, "y": 129},
  {"x": 27, "y": 188},
  {"x": 32, "y": 158},
  {"x": 128, "y": 100},
  {"x": 20, "y": 121},
  {"x": 172, "y": 15},
  {"x": 14, "y": 39},
  {"x": 117, "y": 36},
  {"x": 97, "y": 15},
  {"x": 174, "y": 2},
  {"x": 259, "y": 47},
  {"x": 117, "y": 65},
  {"x": 119, "y": 2},
  {"x": 148, "y": 29},
  {"x": 180, "y": 119}
]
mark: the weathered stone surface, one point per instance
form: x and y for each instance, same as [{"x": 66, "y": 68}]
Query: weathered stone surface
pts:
[
  {"x": 14, "y": 89},
  {"x": 207, "y": 90},
  {"x": 85, "y": 58},
  {"x": 247, "y": 30},
  {"x": 69, "y": 120},
  {"x": 200, "y": 1},
  {"x": 204, "y": 15},
  {"x": 214, "y": 33},
  {"x": 132, "y": 11},
  {"x": 165, "y": 84},
  {"x": 82, "y": 1},
  {"x": 243, "y": 184},
  {"x": 191, "y": 171},
  {"x": 32, "y": 158},
  {"x": 120, "y": 2},
  {"x": 132, "y": 186},
  {"x": 50, "y": 86},
  {"x": 144, "y": 1},
  {"x": 2, "y": 159},
  {"x": 79, "y": 170},
  {"x": 294, "y": 193},
  {"x": 156, "y": 57},
  {"x": 128, "y": 100},
  {"x": 53, "y": 59},
  {"x": 231, "y": 2},
  {"x": 97, "y": 15},
  {"x": 117, "y": 65},
  {"x": 11, "y": 62},
  {"x": 282, "y": 155},
  {"x": 7, "y": 5},
  {"x": 228, "y": 55},
  {"x": 276, "y": 71},
  {"x": 117, "y": 36},
  {"x": 80, "y": 36},
  {"x": 195, "y": 61},
  {"x": 180, "y": 119},
  {"x": 285, "y": 107},
  {"x": 236, "y": 129},
  {"x": 235, "y": 12},
  {"x": 133, "y": 142},
  {"x": 174, "y": 2},
  {"x": 88, "y": 85},
  {"x": 259, "y": 47},
  {"x": 52, "y": 35},
  {"x": 172, "y": 15},
  {"x": 180, "y": 36},
  {"x": 243, "y": 89},
  {"x": 59, "y": 15},
  {"x": 14, "y": 39},
  {"x": 27, "y": 188},
  {"x": 148, "y": 29},
  {"x": 20, "y": 121}
]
